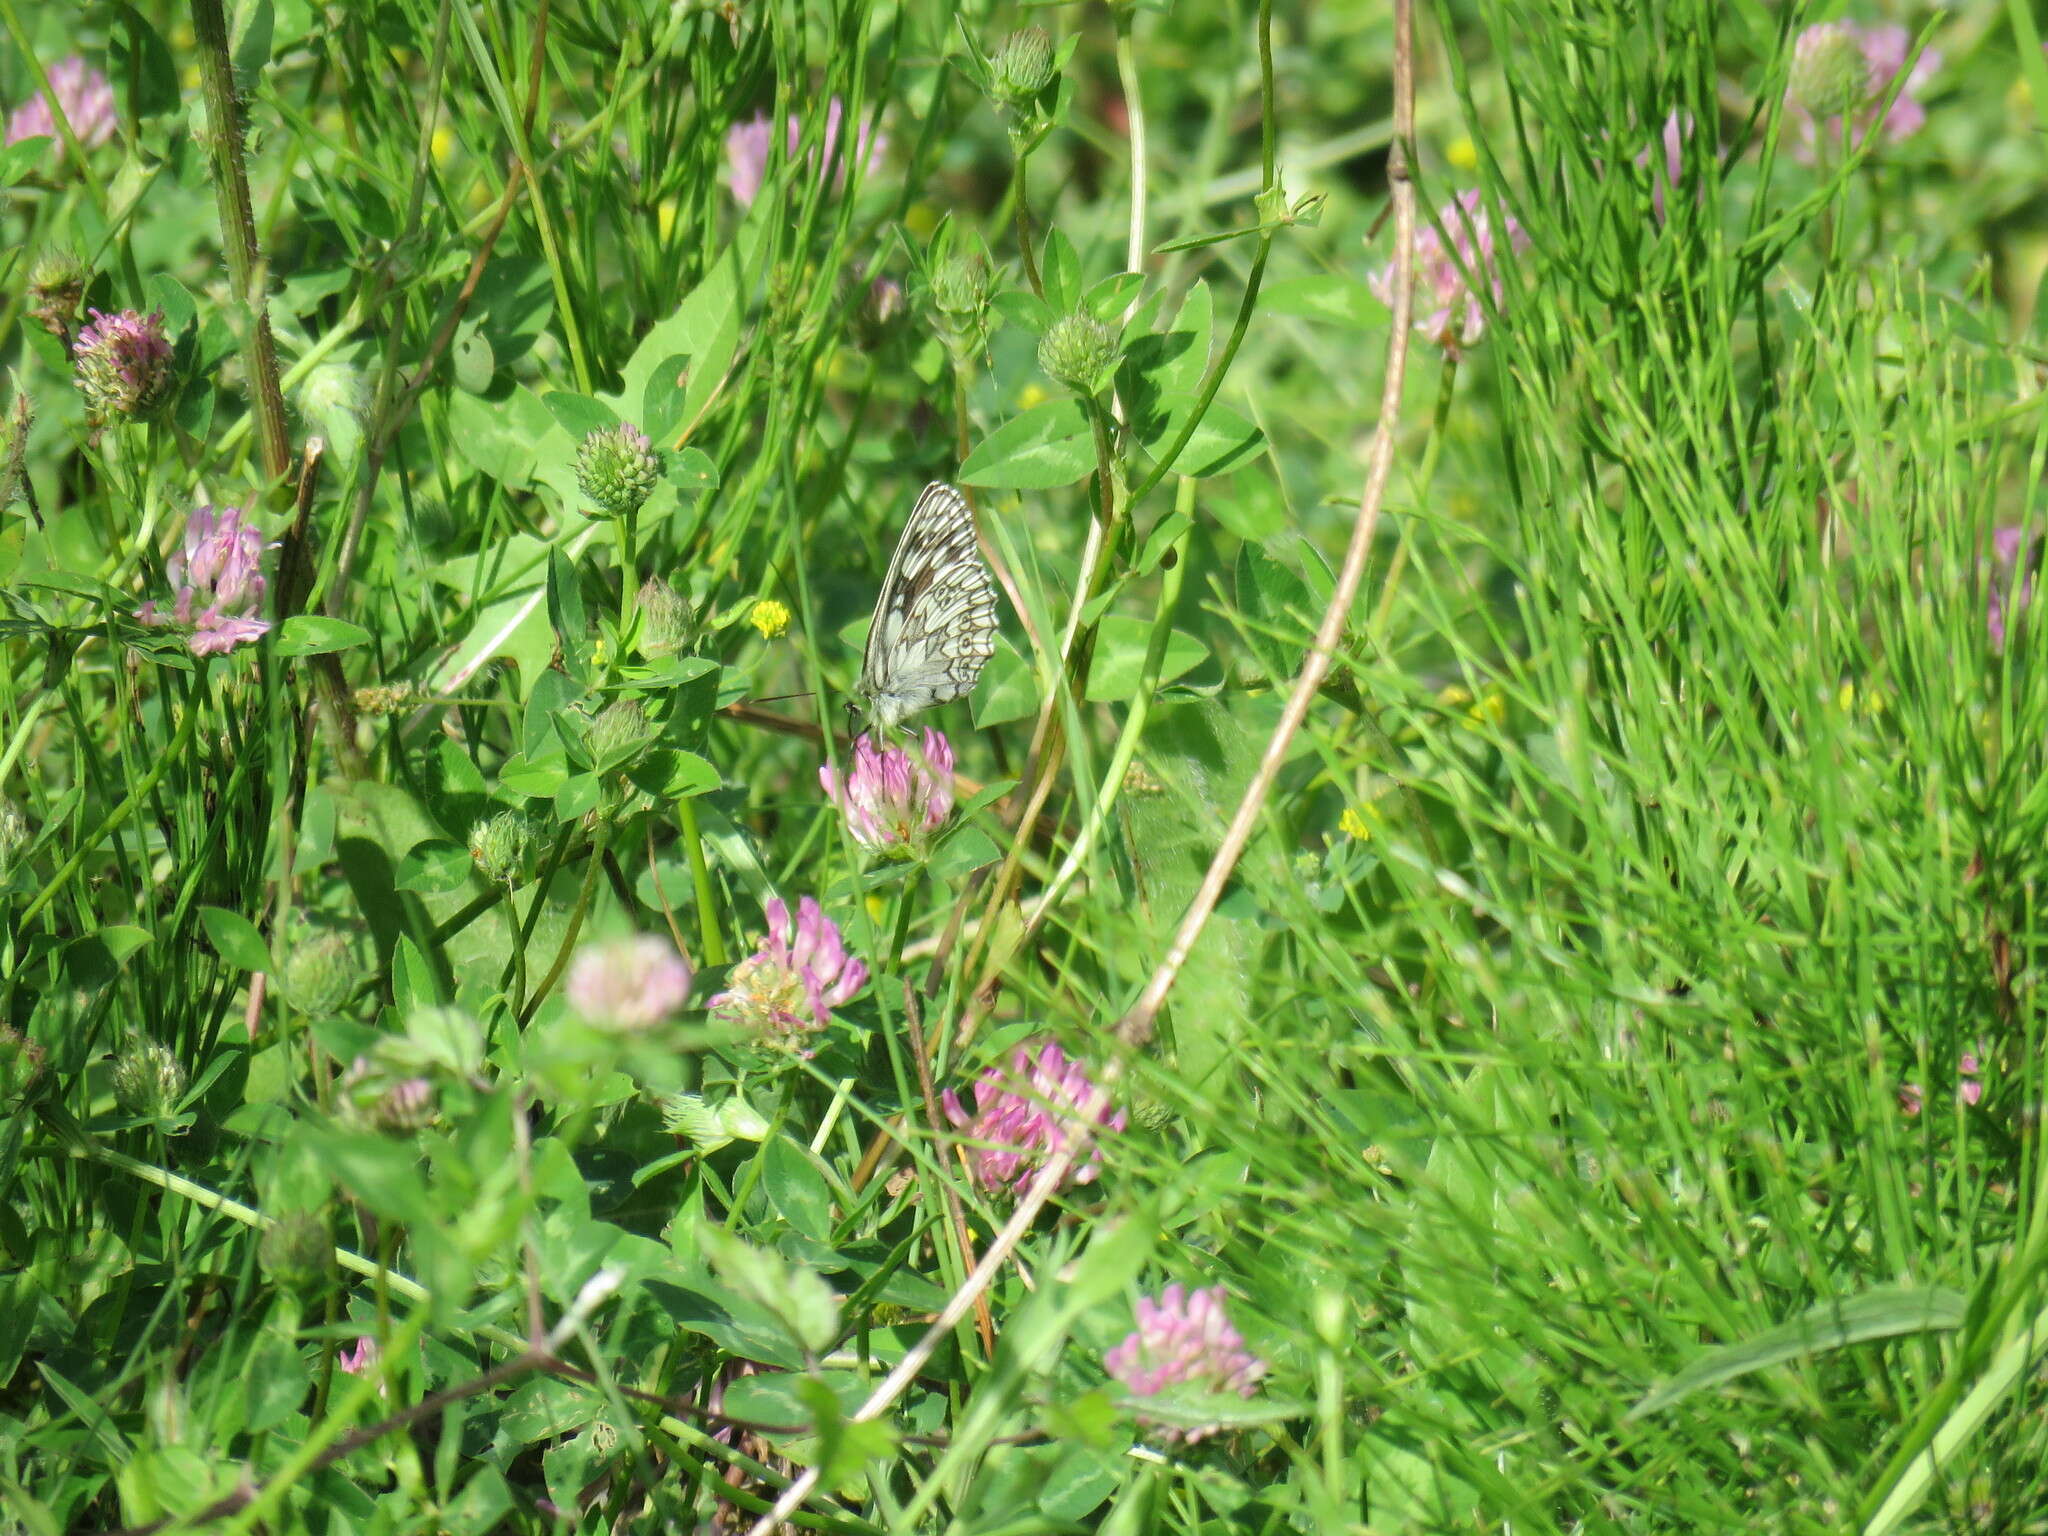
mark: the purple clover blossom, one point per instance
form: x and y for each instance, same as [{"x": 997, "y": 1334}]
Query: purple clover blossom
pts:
[
  {"x": 1026, "y": 1112},
  {"x": 894, "y": 798},
  {"x": 362, "y": 1359},
  {"x": 747, "y": 145},
  {"x": 2008, "y": 551},
  {"x": 629, "y": 984},
  {"x": 1970, "y": 1083},
  {"x": 219, "y": 577},
  {"x": 1666, "y": 178},
  {"x": 123, "y": 362},
  {"x": 1184, "y": 1339},
  {"x": 1448, "y": 310},
  {"x": 788, "y": 988},
  {"x": 85, "y": 96},
  {"x": 1884, "y": 50}
]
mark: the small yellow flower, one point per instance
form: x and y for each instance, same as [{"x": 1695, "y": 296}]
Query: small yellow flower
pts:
[
  {"x": 1359, "y": 820},
  {"x": 1030, "y": 395},
  {"x": 1463, "y": 154},
  {"x": 443, "y": 144},
  {"x": 769, "y": 617},
  {"x": 1453, "y": 697},
  {"x": 1845, "y": 698},
  {"x": 1491, "y": 708},
  {"x": 598, "y": 654}
]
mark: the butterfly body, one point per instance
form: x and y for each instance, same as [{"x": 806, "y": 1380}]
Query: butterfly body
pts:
[{"x": 935, "y": 620}]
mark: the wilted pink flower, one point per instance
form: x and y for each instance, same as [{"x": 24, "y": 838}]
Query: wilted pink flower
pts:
[
  {"x": 789, "y": 987},
  {"x": 747, "y": 145},
  {"x": 124, "y": 363},
  {"x": 1025, "y": 1113},
  {"x": 630, "y": 984},
  {"x": 1448, "y": 309},
  {"x": 1910, "y": 1098},
  {"x": 362, "y": 1359},
  {"x": 895, "y": 797},
  {"x": 2007, "y": 550},
  {"x": 1842, "y": 67},
  {"x": 85, "y": 96},
  {"x": 1184, "y": 1340},
  {"x": 219, "y": 577}
]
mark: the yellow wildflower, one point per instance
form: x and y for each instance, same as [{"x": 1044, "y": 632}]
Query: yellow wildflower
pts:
[
  {"x": 1030, "y": 395},
  {"x": 1463, "y": 153},
  {"x": 1359, "y": 820},
  {"x": 769, "y": 617}
]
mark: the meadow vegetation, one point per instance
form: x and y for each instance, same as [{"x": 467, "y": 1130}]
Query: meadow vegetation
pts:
[{"x": 484, "y": 1047}]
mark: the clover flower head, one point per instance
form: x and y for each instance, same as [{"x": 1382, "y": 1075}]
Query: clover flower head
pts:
[
  {"x": 1184, "y": 1339},
  {"x": 894, "y": 798},
  {"x": 1844, "y": 69},
  {"x": 362, "y": 1359},
  {"x": 84, "y": 94},
  {"x": 629, "y": 984},
  {"x": 1026, "y": 1112},
  {"x": 218, "y": 575},
  {"x": 1448, "y": 309},
  {"x": 1969, "y": 1078},
  {"x": 786, "y": 990},
  {"x": 747, "y": 145},
  {"x": 123, "y": 362}
]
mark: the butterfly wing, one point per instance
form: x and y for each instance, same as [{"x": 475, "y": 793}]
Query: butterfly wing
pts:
[{"x": 935, "y": 621}]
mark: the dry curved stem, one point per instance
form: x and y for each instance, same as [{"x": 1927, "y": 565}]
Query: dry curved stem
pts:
[{"x": 1137, "y": 1024}]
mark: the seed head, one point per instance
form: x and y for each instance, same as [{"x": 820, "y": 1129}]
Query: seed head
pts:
[
  {"x": 617, "y": 469},
  {"x": 618, "y": 732},
  {"x": 297, "y": 1251},
  {"x": 319, "y": 975},
  {"x": 664, "y": 618},
  {"x": 56, "y": 284},
  {"x": 1829, "y": 75},
  {"x": 148, "y": 1080},
  {"x": 1079, "y": 351},
  {"x": 1020, "y": 68},
  {"x": 499, "y": 844}
]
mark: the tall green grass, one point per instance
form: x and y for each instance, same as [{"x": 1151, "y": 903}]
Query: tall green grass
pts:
[{"x": 1609, "y": 1088}]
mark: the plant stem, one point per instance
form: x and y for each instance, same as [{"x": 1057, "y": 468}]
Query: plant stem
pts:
[
  {"x": 700, "y": 880},
  {"x": 1134, "y": 110},
  {"x": 627, "y": 587},
  {"x": 238, "y": 230}
]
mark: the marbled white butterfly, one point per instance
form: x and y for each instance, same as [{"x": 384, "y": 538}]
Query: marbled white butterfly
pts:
[{"x": 935, "y": 621}]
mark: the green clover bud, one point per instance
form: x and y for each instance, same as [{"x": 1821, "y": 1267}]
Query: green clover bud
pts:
[
  {"x": 664, "y": 619},
  {"x": 56, "y": 284},
  {"x": 499, "y": 845},
  {"x": 297, "y": 1252},
  {"x": 960, "y": 284},
  {"x": 21, "y": 1063},
  {"x": 13, "y": 833},
  {"x": 1079, "y": 351},
  {"x": 618, "y": 469},
  {"x": 148, "y": 1080},
  {"x": 319, "y": 975},
  {"x": 1830, "y": 75},
  {"x": 619, "y": 732},
  {"x": 1021, "y": 68}
]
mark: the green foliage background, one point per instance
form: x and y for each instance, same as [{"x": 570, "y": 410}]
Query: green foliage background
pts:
[{"x": 1609, "y": 1090}]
